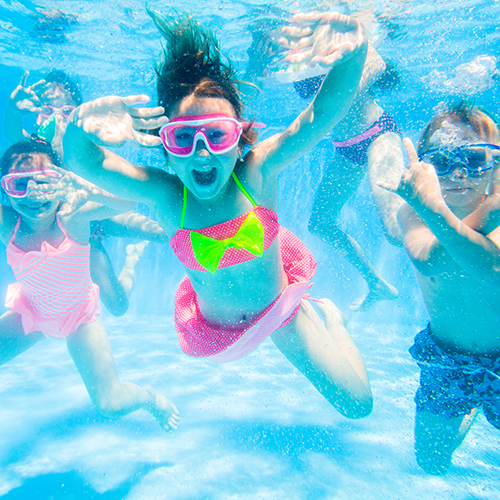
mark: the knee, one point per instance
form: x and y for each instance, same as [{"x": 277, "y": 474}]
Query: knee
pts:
[
  {"x": 313, "y": 224},
  {"x": 323, "y": 228},
  {"x": 117, "y": 307},
  {"x": 359, "y": 408}
]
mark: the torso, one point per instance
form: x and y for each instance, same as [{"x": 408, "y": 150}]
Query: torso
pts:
[
  {"x": 234, "y": 295},
  {"x": 465, "y": 315}
]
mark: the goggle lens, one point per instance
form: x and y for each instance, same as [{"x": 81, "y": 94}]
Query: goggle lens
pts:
[
  {"x": 219, "y": 133},
  {"x": 16, "y": 185},
  {"x": 474, "y": 159},
  {"x": 49, "y": 111}
]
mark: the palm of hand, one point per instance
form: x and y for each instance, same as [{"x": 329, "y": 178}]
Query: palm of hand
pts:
[
  {"x": 419, "y": 186},
  {"x": 26, "y": 101},
  {"x": 323, "y": 38},
  {"x": 106, "y": 120},
  {"x": 112, "y": 121}
]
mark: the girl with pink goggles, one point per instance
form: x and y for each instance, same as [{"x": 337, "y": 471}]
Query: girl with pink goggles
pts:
[
  {"x": 220, "y": 133},
  {"x": 48, "y": 111},
  {"x": 16, "y": 185}
]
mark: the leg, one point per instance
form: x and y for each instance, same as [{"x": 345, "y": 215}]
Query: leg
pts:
[
  {"x": 90, "y": 349},
  {"x": 437, "y": 437},
  {"x": 491, "y": 410},
  {"x": 385, "y": 163},
  {"x": 337, "y": 186},
  {"x": 13, "y": 341},
  {"x": 112, "y": 293},
  {"x": 127, "y": 274},
  {"x": 328, "y": 357}
]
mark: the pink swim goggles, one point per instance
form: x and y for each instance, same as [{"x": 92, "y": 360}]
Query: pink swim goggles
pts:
[
  {"x": 220, "y": 133},
  {"x": 16, "y": 185},
  {"x": 48, "y": 111}
]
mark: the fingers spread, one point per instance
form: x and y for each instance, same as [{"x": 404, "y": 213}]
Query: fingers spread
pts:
[
  {"x": 146, "y": 112},
  {"x": 297, "y": 31},
  {"x": 146, "y": 140},
  {"x": 299, "y": 56},
  {"x": 132, "y": 100}
]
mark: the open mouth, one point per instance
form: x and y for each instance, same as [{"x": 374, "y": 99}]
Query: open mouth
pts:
[{"x": 205, "y": 177}]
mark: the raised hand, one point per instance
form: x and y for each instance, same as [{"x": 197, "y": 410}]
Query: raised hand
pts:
[
  {"x": 113, "y": 121},
  {"x": 28, "y": 99},
  {"x": 419, "y": 184},
  {"x": 70, "y": 188},
  {"x": 325, "y": 39}
]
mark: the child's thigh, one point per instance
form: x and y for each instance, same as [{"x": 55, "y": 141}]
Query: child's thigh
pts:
[
  {"x": 327, "y": 358},
  {"x": 91, "y": 352},
  {"x": 438, "y": 433},
  {"x": 491, "y": 411},
  {"x": 13, "y": 341}
]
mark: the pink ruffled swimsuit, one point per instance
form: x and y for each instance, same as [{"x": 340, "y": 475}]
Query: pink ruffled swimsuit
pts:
[
  {"x": 54, "y": 293},
  {"x": 199, "y": 338}
]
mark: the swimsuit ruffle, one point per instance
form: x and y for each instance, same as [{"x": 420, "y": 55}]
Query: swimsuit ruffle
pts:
[
  {"x": 60, "y": 326},
  {"x": 198, "y": 338}
]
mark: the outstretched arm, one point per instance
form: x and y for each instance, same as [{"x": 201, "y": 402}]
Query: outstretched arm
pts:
[
  {"x": 471, "y": 250},
  {"x": 113, "y": 121},
  {"x": 135, "y": 225},
  {"x": 332, "y": 40}
]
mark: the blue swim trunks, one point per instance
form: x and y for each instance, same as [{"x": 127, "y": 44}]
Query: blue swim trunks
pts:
[
  {"x": 356, "y": 149},
  {"x": 452, "y": 384}
]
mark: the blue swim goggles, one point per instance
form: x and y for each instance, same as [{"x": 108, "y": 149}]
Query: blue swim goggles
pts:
[{"x": 473, "y": 157}]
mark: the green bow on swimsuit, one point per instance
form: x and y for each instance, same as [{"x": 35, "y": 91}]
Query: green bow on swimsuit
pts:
[{"x": 209, "y": 251}]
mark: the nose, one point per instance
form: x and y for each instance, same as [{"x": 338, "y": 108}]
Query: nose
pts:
[
  {"x": 201, "y": 147},
  {"x": 459, "y": 173}
]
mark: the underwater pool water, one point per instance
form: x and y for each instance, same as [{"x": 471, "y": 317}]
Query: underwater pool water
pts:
[
  {"x": 252, "y": 429},
  {"x": 255, "y": 428}
]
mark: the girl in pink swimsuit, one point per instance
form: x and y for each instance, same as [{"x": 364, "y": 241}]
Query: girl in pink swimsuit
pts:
[
  {"x": 247, "y": 276},
  {"x": 48, "y": 250}
]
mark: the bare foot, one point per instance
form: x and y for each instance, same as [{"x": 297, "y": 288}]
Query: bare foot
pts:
[
  {"x": 382, "y": 291},
  {"x": 127, "y": 274},
  {"x": 135, "y": 251},
  {"x": 163, "y": 410}
]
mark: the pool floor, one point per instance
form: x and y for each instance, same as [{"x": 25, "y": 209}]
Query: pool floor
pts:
[{"x": 250, "y": 430}]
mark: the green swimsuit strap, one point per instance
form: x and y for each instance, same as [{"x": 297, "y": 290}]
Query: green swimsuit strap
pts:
[
  {"x": 238, "y": 183},
  {"x": 184, "y": 203},
  {"x": 243, "y": 190}
]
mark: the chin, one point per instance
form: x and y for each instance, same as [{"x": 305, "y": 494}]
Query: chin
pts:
[
  {"x": 38, "y": 212},
  {"x": 206, "y": 192}
]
